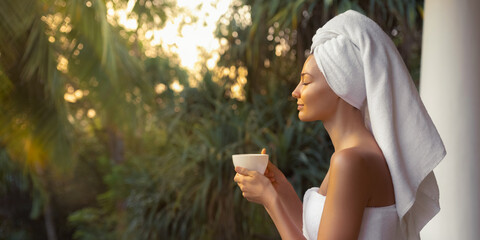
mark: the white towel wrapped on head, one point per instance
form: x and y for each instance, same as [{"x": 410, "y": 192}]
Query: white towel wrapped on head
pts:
[{"x": 362, "y": 66}]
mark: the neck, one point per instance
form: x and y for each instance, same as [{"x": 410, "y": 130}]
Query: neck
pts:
[{"x": 346, "y": 127}]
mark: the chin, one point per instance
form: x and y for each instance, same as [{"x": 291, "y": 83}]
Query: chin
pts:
[{"x": 304, "y": 118}]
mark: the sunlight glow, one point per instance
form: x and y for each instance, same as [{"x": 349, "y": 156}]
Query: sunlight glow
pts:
[
  {"x": 160, "y": 88},
  {"x": 192, "y": 41},
  {"x": 62, "y": 65},
  {"x": 129, "y": 23},
  {"x": 194, "y": 36},
  {"x": 130, "y": 5},
  {"x": 91, "y": 113},
  {"x": 73, "y": 95},
  {"x": 176, "y": 86},
  {"x": 237, "y": 89},
  {"x": 69, "y": 97},
  {"x": 78, "y": 94}
]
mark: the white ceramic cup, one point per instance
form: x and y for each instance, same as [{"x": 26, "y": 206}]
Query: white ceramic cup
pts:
[{"x": 257, "y": 162}]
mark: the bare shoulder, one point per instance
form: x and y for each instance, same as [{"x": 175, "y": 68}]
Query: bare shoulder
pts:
[
  {"x": 350, "y": 160},
  {"x": 352, "y": 172},
  {"x": 365, "y": 173},
  {"x": 347, "y": 195}
]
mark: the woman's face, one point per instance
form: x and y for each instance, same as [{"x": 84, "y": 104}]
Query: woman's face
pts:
[{"x": 315, "y": 99}]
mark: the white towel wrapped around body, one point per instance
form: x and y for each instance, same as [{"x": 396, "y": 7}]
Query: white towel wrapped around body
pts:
[{"x": 362, "y": 66}]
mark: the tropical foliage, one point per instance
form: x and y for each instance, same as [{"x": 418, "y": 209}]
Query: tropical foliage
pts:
[{"x": 96, "y": 143}]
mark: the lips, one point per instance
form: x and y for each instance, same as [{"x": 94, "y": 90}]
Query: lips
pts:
[{"x": 299, "y": 106}]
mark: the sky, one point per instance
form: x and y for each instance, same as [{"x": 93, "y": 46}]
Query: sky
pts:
[
  {"x": 186, "y": 42},
  {"x": 196, "y": 34}
]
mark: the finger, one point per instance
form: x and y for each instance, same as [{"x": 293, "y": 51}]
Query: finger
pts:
[
  {"x": 268, "y": 173},
  {"x": 242, "y": 171},
  {"x": 246, "y": 195},
  {"x": 270, "y": 165},
  {"x": 264, "y": 151},
  {"x": 238, "y": 178}
]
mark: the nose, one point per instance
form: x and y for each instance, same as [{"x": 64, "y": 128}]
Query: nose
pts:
[{"x": 296, "y": 92}]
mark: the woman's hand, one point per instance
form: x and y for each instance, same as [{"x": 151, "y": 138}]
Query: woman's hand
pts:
[
  {"x": 255, "y": 187},
  {"x": 274, "y": 174},
  {"x": 276, "y": 194}
]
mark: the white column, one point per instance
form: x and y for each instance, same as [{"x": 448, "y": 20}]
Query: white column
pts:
[{"x": 450, "y": 89}]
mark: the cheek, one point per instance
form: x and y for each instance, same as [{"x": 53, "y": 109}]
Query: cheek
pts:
[
  {"x": 319, "y": 103},
  {"x": 312, "y": 101}
]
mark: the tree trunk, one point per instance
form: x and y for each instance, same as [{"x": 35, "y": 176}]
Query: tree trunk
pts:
[{"x": 49, "y": 222}]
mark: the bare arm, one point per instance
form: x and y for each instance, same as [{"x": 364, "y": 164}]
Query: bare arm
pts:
[
  {"x": 347, "y": 196},
  {"x": 287, "y": 195},
  {"x": 286, "y": 226}
]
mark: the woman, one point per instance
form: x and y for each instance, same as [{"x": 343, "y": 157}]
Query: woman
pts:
[{"x": 380, "y": 184}]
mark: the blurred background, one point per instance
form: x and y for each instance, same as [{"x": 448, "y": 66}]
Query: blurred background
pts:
[{"x": 118, "y": 118}]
